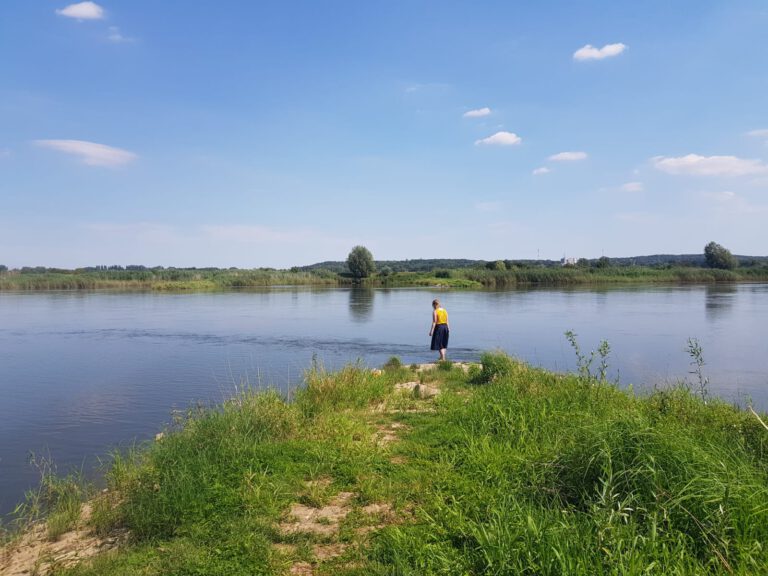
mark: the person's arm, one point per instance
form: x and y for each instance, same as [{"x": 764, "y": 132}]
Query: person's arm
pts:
[{"x": 434, "y": 322}]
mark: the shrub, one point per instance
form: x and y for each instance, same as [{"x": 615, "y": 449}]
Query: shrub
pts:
[
  {"x": 393, "y": 363},
  {"x": 495, "y": 365}
]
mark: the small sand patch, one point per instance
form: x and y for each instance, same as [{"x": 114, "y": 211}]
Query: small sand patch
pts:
[
  {"x": 324, "y": 552},
  {"x": 318, "y": 521},
  {"x": 433, "y": 365},
  {"x": 386, "y": 434},
  {"x": 33, "y": 553},
  {"x": 418, "y": 389},
  {"x": 301, "y": 569},
  {"x": 377, "y": 509}
]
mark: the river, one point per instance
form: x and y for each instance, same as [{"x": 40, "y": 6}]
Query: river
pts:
[{"x": 85, "y": 372}]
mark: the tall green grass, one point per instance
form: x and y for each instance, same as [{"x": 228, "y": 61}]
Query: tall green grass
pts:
[
  {"x": 540, "y": 474},
  {"x": 166, "y": 279},
  {"x": 510, "y": 470},
  {"x": 221, "y": 279}
]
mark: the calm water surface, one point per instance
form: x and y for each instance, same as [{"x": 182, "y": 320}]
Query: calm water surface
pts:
[{"x": 83, "y": 372}]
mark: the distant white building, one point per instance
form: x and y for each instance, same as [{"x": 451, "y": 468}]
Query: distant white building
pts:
[{"x": 564, "y": 261}]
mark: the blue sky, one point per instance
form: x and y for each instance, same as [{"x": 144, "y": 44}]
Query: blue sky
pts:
[{"x": 283, "y": 133}]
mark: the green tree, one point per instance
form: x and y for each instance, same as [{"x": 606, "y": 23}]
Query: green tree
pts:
[
  {"x": 497, "y": 265},
  {"x": 603, "y": 262},
  {"x": 717, "y": 256},
  {"x": 360, "y": 262}
]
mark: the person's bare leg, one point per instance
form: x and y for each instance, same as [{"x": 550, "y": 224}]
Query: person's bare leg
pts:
[{"x": 442, "y": 354}]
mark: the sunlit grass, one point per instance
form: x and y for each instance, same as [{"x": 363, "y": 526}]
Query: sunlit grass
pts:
[{"x": 509, "y": 470}]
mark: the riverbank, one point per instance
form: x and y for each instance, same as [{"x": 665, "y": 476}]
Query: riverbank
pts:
[
  {"x": 493, "y": 469},
  {"x": 200, "y": 280}
]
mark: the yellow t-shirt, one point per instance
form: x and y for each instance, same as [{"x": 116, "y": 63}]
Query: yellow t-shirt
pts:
[{"x": 442, "y": 316}]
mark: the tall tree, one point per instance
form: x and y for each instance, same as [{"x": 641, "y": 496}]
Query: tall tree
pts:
[
  {"x": 360, "y": 262},
  {"x": 717, "y": 256}
]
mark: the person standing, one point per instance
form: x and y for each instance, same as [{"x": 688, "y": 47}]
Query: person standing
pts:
[{"x": 439, "y": 330}]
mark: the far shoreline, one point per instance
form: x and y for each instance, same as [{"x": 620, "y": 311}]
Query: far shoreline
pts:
[{"x": 192, "y": 280}]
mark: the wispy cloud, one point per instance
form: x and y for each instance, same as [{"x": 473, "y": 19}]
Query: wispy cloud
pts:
[
  {"x": 632, "y": 187},
  {"x": 695, "y": 165},
  {"x": 725, "y": 196},
  {"x": 215, "y": 244},
  {"x": 761, "y": 133},
  {"x": 500, "y": 139},
  {"x": 136, "y": 230},
  {"x": 541, "y": 170},
  {"x": 254, "y": 234},
  {"x": 488, "y": 206},
  {"x": 422, "y": 87},
  {"x": 735, "y": 203},
  {"x": 589, "y": 52},
  {"x": 477, "y": 113},
  {"x": 82, "y": 11},
  {"x": 568, "y": 156},
  {"x": 637, "y": 217},
  {"x": 117, "y": 37},
  {"x": 90, "y": 153},
  {"x": 5, "y": 153}
]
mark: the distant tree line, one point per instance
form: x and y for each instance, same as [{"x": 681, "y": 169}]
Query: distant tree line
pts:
[{"x": 361, "y": 264}]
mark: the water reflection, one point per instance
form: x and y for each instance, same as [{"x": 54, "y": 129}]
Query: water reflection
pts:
[
  {"x": 361, "y": 303},
  {"x": 719, "y": 299}
]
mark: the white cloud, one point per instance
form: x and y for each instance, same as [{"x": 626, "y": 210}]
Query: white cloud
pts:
[
  {"x": 500, "y": 139},
  {"x": 695, "y": 165},
  {"x": 478, "y": 113},
  {"x": 762, "y": 133},
  {"x": 568, "y": 156},
  {"x": 589, "y": 52},
  {"x": 82, "y": 11},
  {"x": 90, "y": 153},
  {"x": 632, "y": 187},
  {"x": 541, "y": 170}
]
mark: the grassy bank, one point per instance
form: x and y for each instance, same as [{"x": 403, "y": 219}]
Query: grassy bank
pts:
[
  {"x": 161, "y": 280},
  {"x": 173, "y": 279},
  {"x": 499, "y": 469}
]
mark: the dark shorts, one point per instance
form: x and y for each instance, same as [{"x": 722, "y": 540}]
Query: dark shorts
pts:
[{"x": 440, "y": 337}]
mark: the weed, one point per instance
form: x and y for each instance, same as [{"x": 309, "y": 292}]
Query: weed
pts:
[
  {"x": 393, "y": 363},
  {"x": 697, "y": 361},
  {"x": 584, "y": 363},
  {"x": 444, "y": 365},
  {"x": 57, "y": 499}
]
